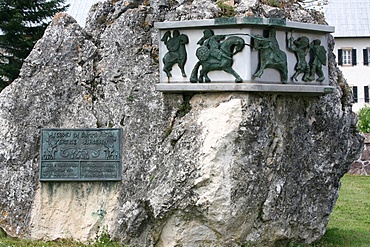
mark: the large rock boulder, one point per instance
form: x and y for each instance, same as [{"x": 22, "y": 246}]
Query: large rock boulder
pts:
[{"x": 211, "y": 169}]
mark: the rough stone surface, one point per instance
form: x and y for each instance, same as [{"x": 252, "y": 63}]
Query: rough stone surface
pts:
[{"x": 222, "y": 169}]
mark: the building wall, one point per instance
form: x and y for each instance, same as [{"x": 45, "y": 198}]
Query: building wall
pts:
[{"x": 357, "y": 75}]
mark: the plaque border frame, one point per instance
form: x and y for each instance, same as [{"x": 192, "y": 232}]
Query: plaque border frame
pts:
[{"x": 119, "y": 169}]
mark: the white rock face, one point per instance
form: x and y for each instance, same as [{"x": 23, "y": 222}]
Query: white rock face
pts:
[
  {"x": 68, "y": 210},
  {"x": 219, "y": 127}
]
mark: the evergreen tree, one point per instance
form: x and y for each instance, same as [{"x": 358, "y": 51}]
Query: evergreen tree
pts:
[{"x": 22, "y": 23}]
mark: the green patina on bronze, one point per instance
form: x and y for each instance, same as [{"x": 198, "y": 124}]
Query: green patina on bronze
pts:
[
  {"x": 300, "y": 47},
  {"x": 81, "y": 155},
  {"x": 216, "y": 52},
  {"x": 277, "y": 21},
  {"x": 216, "y": 55},
  {"x": 328, "y": 90},
  {"x": 252, "y": 20},
  {"x": 176, "y": 51},
  {"x": 318, "y": 59},
  {"x": 270, "y": 55},
  {"x": 225, "y": 21}
]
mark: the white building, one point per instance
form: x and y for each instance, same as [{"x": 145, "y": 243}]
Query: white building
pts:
[{"x": 351, "y": 19}]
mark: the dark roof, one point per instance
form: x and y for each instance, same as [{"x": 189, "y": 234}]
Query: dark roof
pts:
[{"x": 351, "y": 18}]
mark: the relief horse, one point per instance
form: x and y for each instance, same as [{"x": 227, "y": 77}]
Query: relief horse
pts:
[
  {"x": 228, "y": 49},
  {"x": 270, "y": 56}
]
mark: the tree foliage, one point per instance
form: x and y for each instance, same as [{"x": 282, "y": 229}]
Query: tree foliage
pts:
[
  {"x": 364, "y": 119},
  {"x": 22, "y": 23}
]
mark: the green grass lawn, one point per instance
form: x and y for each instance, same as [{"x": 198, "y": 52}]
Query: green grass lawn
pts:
[
  {"x": 100, "y": 241},
  {"x": 6, "y": 242},
  {"x": 349, "y": 224}
]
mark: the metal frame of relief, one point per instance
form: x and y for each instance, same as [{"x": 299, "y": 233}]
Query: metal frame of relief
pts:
[{"x": 81, "y": 154}]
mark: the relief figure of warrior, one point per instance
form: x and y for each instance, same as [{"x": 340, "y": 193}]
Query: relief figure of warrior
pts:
[
  {"x": 216, "y": 53},
  {"x": 318, "y": 59},
  {"x": 212, "y": 43},
  {"x": 301, "y": 48},
  {"x": 176, "y": 51}
]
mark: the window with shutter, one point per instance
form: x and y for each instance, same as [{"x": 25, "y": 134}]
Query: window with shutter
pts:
[
  {"x": 366, "y": 92},
  {"x": 340, "y": 57},
  {"x": 355, "y": 96},
  {"x": 347, "y": 57},
  {"x": 354, "y": 57},
  {"x": 366, "y": 56}
]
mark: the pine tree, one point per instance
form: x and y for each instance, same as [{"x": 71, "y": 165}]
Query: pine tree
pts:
[{"x": 22, "y": 23}]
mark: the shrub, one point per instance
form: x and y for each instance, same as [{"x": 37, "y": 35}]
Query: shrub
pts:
[
  {"x": 364, "y": 119},
  {"x": 227, "y": 9}
]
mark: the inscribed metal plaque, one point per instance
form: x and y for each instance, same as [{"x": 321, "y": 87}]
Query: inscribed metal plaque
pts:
[{"x": 81, "y": 155}]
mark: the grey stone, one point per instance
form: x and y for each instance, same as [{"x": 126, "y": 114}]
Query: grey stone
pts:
[
  {"x": 365, "y": 155},
  {"x": 215, "y": 169},
  {"x": 357, "y": 165},
  {"x": 366, "y": 169}
]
